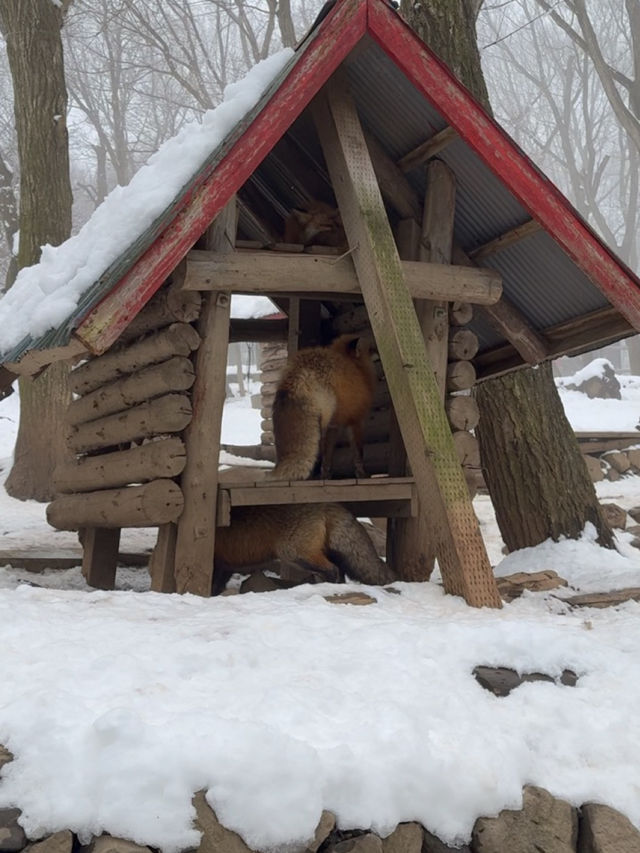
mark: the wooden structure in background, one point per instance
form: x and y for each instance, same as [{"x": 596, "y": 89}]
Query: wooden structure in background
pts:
[{"x": 428, "y": 227}]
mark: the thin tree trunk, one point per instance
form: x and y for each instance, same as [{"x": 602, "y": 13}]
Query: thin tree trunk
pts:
[
  {"x": 533, "y": 466},
  {"x": 34, "y": 48}
]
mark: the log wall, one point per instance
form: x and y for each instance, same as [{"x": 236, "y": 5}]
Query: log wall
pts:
[{"x": 124, "y": 425}]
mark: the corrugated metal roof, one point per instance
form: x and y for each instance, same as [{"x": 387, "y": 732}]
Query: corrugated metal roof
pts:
[{"x": 539, "y": 277}]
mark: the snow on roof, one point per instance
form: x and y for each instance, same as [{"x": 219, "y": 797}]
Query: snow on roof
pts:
[{"x": 45, "y": 294}]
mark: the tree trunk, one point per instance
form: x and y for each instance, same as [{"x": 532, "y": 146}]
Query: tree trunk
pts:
[
  {"x": 34, "y": 48},
  {"x": 532, "y": 462},
  {"x": 539, "y": 489}
]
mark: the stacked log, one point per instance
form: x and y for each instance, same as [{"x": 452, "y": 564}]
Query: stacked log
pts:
[
  {"x": 130, "y": 406},
  {"x": 273, "y": 358},
  {"x": 460, "y": 406}
]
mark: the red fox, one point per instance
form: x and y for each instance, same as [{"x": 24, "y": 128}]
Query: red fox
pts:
[
  {"x": 319, "y": 223},
  {"x": 324, "y": 538},
  {"x": 322, "y": 388}
]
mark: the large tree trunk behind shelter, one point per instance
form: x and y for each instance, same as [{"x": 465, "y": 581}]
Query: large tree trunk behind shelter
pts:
[
  {"x": 32, "y": 32},
  {"x": 529, "y": 463},
  {"x": 537, "y": 477}
]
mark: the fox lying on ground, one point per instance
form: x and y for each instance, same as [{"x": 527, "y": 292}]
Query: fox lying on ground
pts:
[
  {"x": 323, "y": 538},
  {"x": 319, "y": 223},
  {"x": 322, "y": 388}
]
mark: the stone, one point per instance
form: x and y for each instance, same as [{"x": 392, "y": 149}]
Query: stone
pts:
[
  {"x": 604, "y": 385},
  {"x": 612, "y": 475},
  {"x": 545, "y": 825},
  {"x": 367, "y": 843},
  {"x": 605, "y": 830},
  {"x": 259, "y": 582},
  {"x": 501, "y": 680},
  {"x": 615, "y": 516},
  {"x": 512, "y": 586},
  {"x": 350, "y": 598},
  {"x": 113, "y": 844},
  {"x": 405, "y": 838},
  {"x": 59, "y": 842},
  {"x": 432, "y": 844},
  {"x": 633, "y": 454},
  {"x": 5, "y": 756},
  {"x": 216, "y": 838},
  {"x": 594, "y": 468},
  {"x": 12, "y": 837},
  {"x": 634, "y": 512},
  {"x": 325, "y": 827},
  {"x": 618, "y": 460}
]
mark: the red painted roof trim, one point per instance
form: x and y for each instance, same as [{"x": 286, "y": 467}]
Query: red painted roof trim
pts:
[
  {"x": 532, "y": 188},
  {"x": 337, "y": 36}
]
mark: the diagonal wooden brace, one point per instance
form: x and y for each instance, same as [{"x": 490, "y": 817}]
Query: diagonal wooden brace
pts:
[{"x": 423, "y": 423}]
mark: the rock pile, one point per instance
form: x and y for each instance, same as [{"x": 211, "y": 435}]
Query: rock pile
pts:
[{"x": 544, "y": 824}]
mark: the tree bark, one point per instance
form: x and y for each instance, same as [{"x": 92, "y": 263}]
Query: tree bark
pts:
[
  {"x": 533, "y": 466},
  {"x": 34, "y": 48},
  {"x": 539, "y": 489}
]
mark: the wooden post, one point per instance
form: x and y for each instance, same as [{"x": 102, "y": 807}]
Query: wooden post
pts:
[
  {"x": 162, "y": 562},
  {"x": 195, "y": 539},
  {"x": 100, "y": 556},
  {"x": 417, "y": 401},
  {"x": 410, "y": 543}
]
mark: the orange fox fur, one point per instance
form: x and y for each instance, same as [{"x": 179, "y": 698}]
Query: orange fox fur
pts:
[
  {"x": 319, "y": 223},
  {"x": 322, "y": 388},
  {"x": 325, "y": 538}
]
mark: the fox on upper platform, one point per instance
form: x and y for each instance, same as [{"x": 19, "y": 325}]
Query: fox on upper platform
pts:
[
  {"x": 322, "y": 388},
  {"x": 318, "y": 223},
  {"x": 324, "y": 538}
]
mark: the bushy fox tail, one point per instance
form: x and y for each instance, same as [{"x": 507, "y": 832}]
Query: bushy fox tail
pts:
[
  {"x": 297, "y": 432},
  {"x": 351, "y": 549}
]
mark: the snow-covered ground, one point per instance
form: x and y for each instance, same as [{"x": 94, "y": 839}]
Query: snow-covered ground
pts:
[{"x": 118, "y": 706}]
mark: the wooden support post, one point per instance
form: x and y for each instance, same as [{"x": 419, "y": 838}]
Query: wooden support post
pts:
[
  {"x": 162, "y": 562},
  {"x": 195, "y": 540},
  {"x": 439, "y": 479},
  {"x": 410, "y": 544},
  {"x": 100, "y": 556}
]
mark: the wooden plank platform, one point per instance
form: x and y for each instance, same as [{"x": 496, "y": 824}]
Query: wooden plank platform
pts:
[
  {"x": 382, "y": 496},
  {"x": 37, "y": 560},
  {"x": 599, "y": 442}
]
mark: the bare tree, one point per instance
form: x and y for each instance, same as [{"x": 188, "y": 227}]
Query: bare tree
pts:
[{"x": 31, "y": 29}]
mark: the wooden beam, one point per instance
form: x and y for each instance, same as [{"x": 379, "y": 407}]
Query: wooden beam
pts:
[
  {"x": 437, "y": 143},
  {"x": 395, "y": 188},
  {"x": 272, "y": 492},
  {"x": 100, "y": 556},
  {"x": 261, "y": 330},
  {"x": 598, "y": 328},
  {"x": 411, "y": 542},
  {"x": 439, "y": 480},
  {"x": 162, "y": 562},
  {"x": 195, "y": 539},
  {"x": 504, "y": 241},
  {"x": 34, "y": 361},
  {"x": 511, "y": 323},
  {"x": 269, "y": 272}
]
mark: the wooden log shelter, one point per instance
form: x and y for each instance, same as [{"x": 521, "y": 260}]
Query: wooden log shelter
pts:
[{"x": 458, "y": 258}]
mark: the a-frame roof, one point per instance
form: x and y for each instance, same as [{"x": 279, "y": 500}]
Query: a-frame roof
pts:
[{"x": 569, "y": 287}]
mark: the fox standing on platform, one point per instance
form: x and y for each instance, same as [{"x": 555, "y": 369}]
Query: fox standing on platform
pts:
[
  {"x": 324, "y": 538},
  {"x": 322, "y": 389}
]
